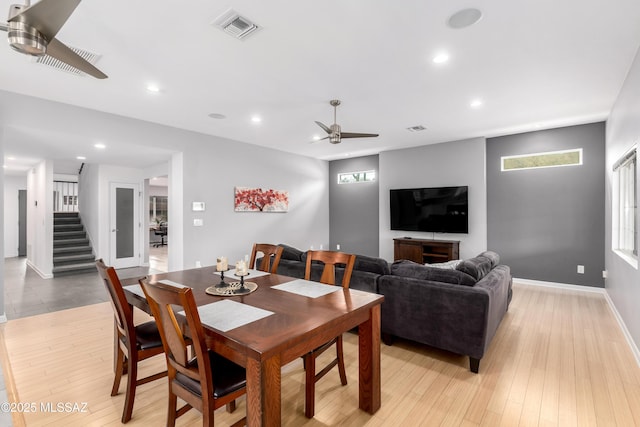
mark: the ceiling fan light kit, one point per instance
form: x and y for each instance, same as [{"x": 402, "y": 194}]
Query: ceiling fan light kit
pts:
[{"x": 25, "y": 38}]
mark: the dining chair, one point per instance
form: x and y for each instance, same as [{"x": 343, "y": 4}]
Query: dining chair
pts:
[
  {"x": 271, "y": 255},
  {"x": 208, "y": 380},
  {"x": 330, "y": 259},
  {"x": 133, "y": 343}
]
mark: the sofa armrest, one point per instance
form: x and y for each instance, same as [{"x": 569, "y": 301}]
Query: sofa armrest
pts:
[
  {"x": 497, "y": 284},
  {"x": 447, "y": 316}
]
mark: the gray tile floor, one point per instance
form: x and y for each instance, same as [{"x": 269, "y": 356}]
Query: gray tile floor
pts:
[{"x": 28, "y": 294}]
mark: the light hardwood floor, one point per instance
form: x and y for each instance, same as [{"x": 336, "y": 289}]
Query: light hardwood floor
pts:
[{"x": 559, "y": 359}]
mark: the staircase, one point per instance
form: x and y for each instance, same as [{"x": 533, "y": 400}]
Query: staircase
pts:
[{"x": 72, "y": 252}]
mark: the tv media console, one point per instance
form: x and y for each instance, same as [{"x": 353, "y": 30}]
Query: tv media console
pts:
[{"x": 425, "y": 250}]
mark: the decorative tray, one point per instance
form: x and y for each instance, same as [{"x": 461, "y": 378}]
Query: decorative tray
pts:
[{"x": 232, "y": 289}]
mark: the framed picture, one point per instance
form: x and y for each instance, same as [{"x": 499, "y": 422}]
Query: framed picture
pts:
[{"x": 258, "y": 200}]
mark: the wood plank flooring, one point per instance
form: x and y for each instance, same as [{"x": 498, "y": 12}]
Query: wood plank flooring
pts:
[{"x": 559, "y": 359}]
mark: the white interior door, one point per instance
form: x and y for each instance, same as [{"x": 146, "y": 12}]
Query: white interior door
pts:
[{"x": 124, "y": 225}]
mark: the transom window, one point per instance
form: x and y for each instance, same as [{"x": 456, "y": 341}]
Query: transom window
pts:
[
  {"x": 355, "y": 177},
  {"x": 549, "y": 159}
]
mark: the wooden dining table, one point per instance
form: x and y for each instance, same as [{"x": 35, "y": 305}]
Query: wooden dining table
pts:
[{"x": 298, "y": 325}]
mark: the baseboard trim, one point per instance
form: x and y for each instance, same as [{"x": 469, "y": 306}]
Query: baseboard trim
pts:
[
  {"x": 556, "y": 285},
  {"x": 40, "y": 273},
  {"x": 627, "y": 335}
]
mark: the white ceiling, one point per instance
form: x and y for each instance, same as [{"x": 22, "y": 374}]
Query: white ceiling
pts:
[{"x": 535, "y": 64}]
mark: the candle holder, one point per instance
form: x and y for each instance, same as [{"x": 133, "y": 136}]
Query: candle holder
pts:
[
  {"x": 242, "y": 290},
  {"x": 222, "y": 283}
]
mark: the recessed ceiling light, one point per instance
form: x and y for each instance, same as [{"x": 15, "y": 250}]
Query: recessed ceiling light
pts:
[
  {"x": 81, "y": 158},
  {"x": 153, "y": 88},
  {"x": 217, "y": 116},
  {"x": 4, "y": 166},
  {"x": 316, "y": 137},
  {"x": 476, "y": 103},
  {"x": 464, "y": 18},
  {"x": 11, "y": 158},
  {"x": 441, "y": 58},
  {"x": 256, "y": 119},
  {"x": 100, "y": 146}
]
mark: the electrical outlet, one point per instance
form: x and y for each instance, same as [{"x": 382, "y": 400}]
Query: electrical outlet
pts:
[
  {"x": 338, "y": 247},
  {"x": 198, "y": 265},
  {"x": 605, "y": 274},
  {"x": 580, "y": 269}
]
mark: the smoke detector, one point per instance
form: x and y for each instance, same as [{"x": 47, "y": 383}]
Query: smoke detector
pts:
[{"x": 235, "y": 25}]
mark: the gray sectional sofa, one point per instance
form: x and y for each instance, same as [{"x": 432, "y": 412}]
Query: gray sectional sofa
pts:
[{"x": 455, "y": 307}]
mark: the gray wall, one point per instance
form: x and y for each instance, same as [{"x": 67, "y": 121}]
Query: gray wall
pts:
[
  {"x": 623, "y": 131},
  {"x": 438, "y": 165},
  {"x": 353, "y": 208},
  {"x": 545, "y": 222}
]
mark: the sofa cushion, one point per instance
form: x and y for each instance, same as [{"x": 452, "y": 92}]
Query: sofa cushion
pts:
[
  {"x": 448, "y": 265},
  {"x": 476, "y": 267},
  {"x": 371, "y": 264},
  {"x": 407, "y": 268},
  {"x": 494, "y": 257},
  {"x": 290, "y": 252}
]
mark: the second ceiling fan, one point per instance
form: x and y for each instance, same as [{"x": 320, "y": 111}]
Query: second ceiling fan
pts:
[{"x": 334, "y": 131}]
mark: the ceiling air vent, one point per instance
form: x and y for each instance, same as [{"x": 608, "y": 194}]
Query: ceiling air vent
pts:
[
  {"x": 416, "y": 128},
  {"x": 235, "y": 25},
  {"x": 49, "y": 61}
]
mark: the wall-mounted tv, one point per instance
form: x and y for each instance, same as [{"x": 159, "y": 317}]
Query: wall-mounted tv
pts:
[{"x": 439, "y": 210}]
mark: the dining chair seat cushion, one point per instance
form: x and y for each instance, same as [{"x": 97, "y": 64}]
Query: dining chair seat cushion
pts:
[
  {"x": 227, "y": 376},
  {"x": 147, "y": 336}
]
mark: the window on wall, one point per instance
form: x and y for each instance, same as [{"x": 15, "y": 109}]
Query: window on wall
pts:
[
  {"x": 355, "y": 177},
  {"x": 625, "y": 208},
  {"x": 158, "y": 210},
  {"x": 549, "y": 159}
]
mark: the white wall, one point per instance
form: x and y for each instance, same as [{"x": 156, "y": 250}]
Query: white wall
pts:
[
  {"x": 12, "y": 184},
  {"x": 89, "y": 204},
  {"x": 212, "y": 170},
  {"x": 439, "y": 165},
  {"x": 40, "y": 218},
  {"x": 623, "y": 131},
  {"x": 3, "y": 317}
]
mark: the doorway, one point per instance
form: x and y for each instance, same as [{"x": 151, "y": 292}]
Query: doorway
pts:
[{"x": 124, "y": 225}]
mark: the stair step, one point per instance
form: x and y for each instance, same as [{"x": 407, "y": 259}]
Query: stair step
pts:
[
  {"x": 75, "y": 220},
  {"x": 60, "y": 235},
  {"x": 72, "y": 227},
  {"x": 71, "y": 259},
  {"x": 74, "y": 268},
  {"x": 66, "y": 214},
  {"x": 70, "y": 242},
  {"x": 77, "y": 249}
]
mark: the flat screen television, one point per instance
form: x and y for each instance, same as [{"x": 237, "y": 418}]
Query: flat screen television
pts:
[{"x": 438, "y": 210}]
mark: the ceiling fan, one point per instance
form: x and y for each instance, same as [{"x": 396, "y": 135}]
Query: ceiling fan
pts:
[
  {"x": 32, "y": 30},
  {"x": 334, "y": 132}
]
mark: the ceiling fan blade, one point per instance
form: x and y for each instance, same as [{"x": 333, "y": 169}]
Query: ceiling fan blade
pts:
[
  {"x": 47, "y": 16},
  {"x": 324, "y": 127},
  {"x": 321, "y": 139},
  {"x": 357, "y": 135},
  {"x": 61, "y": 52}
]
